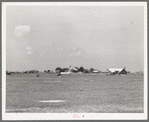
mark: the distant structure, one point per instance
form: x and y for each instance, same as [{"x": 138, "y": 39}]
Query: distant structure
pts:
[
  {"x": 69, "y": 70},
  {"x": 73, "y": 69},
  {"x": 95, "y": 71},
  {"x": 117, "y": 70}
]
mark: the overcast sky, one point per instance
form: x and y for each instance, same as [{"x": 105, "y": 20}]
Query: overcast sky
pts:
[{"x": 93, "y": 37}]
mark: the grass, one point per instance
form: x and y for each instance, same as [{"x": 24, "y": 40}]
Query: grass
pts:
[{"x": 82, "y": 93}]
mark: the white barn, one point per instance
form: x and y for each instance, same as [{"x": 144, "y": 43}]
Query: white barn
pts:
[{"x": 117, "y": 70}]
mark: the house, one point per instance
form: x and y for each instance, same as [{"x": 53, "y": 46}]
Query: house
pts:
[
  {"x": 95, "y": 71},
  {"x": 69, "y": 70},
  {"x": 73, "y": 69},
  {"x": 117, "y": 70}
]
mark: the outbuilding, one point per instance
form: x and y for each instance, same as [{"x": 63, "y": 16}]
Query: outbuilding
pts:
[{"x": 117, "y": 70}]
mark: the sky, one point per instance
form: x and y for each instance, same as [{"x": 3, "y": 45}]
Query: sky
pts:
[{"x": 100, "y": 37}]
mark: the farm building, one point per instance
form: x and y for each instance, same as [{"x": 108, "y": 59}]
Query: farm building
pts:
[
  {"x": 95, "y": 71},
  {"x": 117, "y": 70}
]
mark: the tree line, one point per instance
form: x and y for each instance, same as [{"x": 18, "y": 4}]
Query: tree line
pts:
[
  {"x": 76, "y": 70},
  {"x": 57, "y": 70}
]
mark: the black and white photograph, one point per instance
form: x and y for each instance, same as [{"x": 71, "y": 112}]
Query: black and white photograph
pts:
[{"x": 74, "y": 60}]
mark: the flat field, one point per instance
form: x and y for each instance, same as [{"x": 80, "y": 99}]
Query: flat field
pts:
[{"x": 74, "y": 93}]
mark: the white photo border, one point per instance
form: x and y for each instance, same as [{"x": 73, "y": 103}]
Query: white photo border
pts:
[{"x": 69, "y": 116}]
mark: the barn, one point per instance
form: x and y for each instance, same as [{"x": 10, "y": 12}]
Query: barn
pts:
[{"x": 117, "y": 70}]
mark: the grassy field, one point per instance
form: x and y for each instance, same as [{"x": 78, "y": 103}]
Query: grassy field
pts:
[{"x": 74, "y": 93}]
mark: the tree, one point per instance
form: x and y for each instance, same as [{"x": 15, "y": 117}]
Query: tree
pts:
[
  {"x": 58, "y": 69},
  {"x": 65, "y": 69},
  {"x": 86, "y": 71},
  {"x": 91, "y": 69},
  {"x": 81, "y": 69}
]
